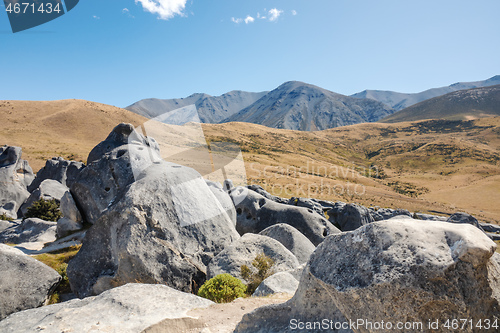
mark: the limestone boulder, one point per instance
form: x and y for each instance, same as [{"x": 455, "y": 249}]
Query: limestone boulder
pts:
[
  {"x": 131, "y": 308},
  {"x": 349, "y": 217},
  {"x": 59, "y": 169},
  {"x": 292, "y": 239},
  {"x": 32, "y": 230},
  {"x": 48, "y": 190},
  {"x": 393, "y": 271},
  {"x": 256, "y": 213},
  {"x": 25, "y": 283},
  {"x": 243, "y": 252},
  {"x": 282, "y": 282}
]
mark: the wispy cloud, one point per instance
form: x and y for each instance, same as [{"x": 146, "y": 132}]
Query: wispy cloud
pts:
[
  {"x": 96, "y": 17},
  {"x": 274, "y": 14},
  {"x": 249, "y": 19},
  {"x": 126, "y": 11},
  {"x": 165, "y": 9},
  {"x": 294, "y": 12},
  {"x": 236, "y": 20}
]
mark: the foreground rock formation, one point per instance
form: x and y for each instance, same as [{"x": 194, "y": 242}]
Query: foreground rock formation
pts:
[
  {"x": 161, "y": 223},
  {"x": 394, "y": 271},
  {"x": 15, "y": 176},
  {"x": 25, "y": 283},
  {"x": 128, "y": 309}
]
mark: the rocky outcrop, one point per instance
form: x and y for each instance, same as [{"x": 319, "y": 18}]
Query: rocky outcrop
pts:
[
  {"x": 29, "y": 231},
  {"x": 307, "y": 203},
  {"x": 15, "y": 176},
  {"x": 59, "y": 169},
  {"x": 48, "y": 190},
  {"x": 387, "y": 213},
  {"x": 292, "y": 239},
  {"x": 157, "y": 222},
  {"x": 258, "y": 189},
  {"x": 243, "y": 252},
  {"x": 112, "y": 165},
  {"x": 72, "y": 218},
  {"x": 224, "y": 199},
  {"x": 399, "y": 271},
  {"x": 256, "y": 213},
  {"x": 25, "y": 283},
  {"x": 464, "y": 218},
  {"x": 128, "y": 309},
  {"x": 349, "y": 217},
  {"x": 282, "y": 282}
]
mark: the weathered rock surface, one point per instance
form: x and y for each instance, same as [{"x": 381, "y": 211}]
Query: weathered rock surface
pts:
[
  {"x": 165, "y": 228},
  {"x": 48, "y": 190},
  {"x": 72, "y": 219},
  {"x": 397, "y": 271},
  {"x": 282, "y": 282},
  {"x": 243, "y": 252},
  {"x": 25, "y": 283},
  {"x": 488, "y": 227},
  {"x": 387, "y": 213},
  {"x": 57, "y": 168},
  {"x": 307, "y": 203},
  {"x": 256, "y": 213},
  {"x": 258, "y": 189},
  {"x": 29, "y": 231},
  {"x": 429, "y": 217},
  {"x": 224, "y": 199},
  {"x": 349, "y": 217},
  {"x": 292, "y": 239},
  {"x": 128, "y": 309},
  {"x": 15, "y": 176},
  {"x": 464, "y": 218},
  {"x": 112, "y": 165}
]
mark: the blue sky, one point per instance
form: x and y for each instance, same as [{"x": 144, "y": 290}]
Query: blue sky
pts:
[{"x": 103, "y": 53}]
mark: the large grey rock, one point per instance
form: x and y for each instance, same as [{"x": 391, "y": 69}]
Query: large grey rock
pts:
[
  {"x": 488, "y": 227},
  {"x": 25, "y": 283},
  {"x": 307, "y": 203},
  {"x": 15, "y": 176},
  {"x": 48, "y": 190},
  {"x": 349, "y": 217},
  {"x": 387, "y": 213},
  {"x": 112, "y": 165},
  {"x": 128, "y": 309},
  {"x": 224, "y": 199},
  {"x": 57, "y": 168},
  {"x": 164, "y": 228},
  {"x": 397, "y": 271},
  {"x": 282, "y": 282},
  {"x": 72, "y": 218},
  {"x": 292, "y": 239},
  {"x": 29, "y": 231},
  {"x": 464, "y": 218},
  {"x": 256, "y": 213},
  {"x": 243, "y": 252},
  {"x": 260, "y": 190}
]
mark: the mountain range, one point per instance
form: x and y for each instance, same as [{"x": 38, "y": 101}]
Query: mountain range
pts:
[{"x": 296, "y": 105}]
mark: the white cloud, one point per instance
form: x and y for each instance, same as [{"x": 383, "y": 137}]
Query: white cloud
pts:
[
  {"x": 96, "y": 17},
  {"x": 294, "y": 12},
  {"x": 237, "y": 21},
  {"x": 125, "y": 10},
  {"x": 274, "y": 14},
  {"x": 249, "y": 19},
  {"x": 165, "y": 9}
]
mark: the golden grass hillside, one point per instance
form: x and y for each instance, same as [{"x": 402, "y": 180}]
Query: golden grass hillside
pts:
[
  {"x": 67, "y": 128},
  {"x": 436, "y": 166}
]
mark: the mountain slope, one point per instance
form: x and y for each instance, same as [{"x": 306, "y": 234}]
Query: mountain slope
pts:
[
  {"x": 399, "y": 101},
  {"x": 300, "y": 106},
  {"x": 211, "y": 109},
  {"x": 67, "y": 128},
  {"x": 458, "y": 105}
]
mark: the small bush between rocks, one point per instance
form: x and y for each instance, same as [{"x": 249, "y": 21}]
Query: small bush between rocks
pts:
[
  {"x": 4, "y": 217},
  {"x": 263, "y": 264},
  {"x": 47, "y": 210},
  {"x": 222, "y": 288}
]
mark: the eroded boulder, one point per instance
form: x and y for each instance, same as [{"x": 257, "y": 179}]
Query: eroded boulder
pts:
[
  {"x": 30, "y": 230},
  {"x": 48, "y": 190},
  {"x": 128, "y": 309},
  {"x": 164, "y": 228},
  {"x": 25, "y": 283},
  {"x": 292, "y": 239},
  {"x": 59, "y": 169},
  {"x": 349, "y": 217},
  {"x": 15, "y": 176},
  {"x": 282, "y": 282},
  {"x": 245, "y": 250},
  {"x": 256, "y": 213},
  {"x": 398, "y": 271}
]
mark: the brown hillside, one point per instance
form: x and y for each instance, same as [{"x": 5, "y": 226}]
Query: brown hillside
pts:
[{"x": 67, "y": 128}]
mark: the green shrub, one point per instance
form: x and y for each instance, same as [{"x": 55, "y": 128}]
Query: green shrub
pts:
[
  {"x": 47, "y": 210},
  {"x": 262, "y": 270},
  {"x": 4, "y": 217},
  {"x": 222, "y": 288}
]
